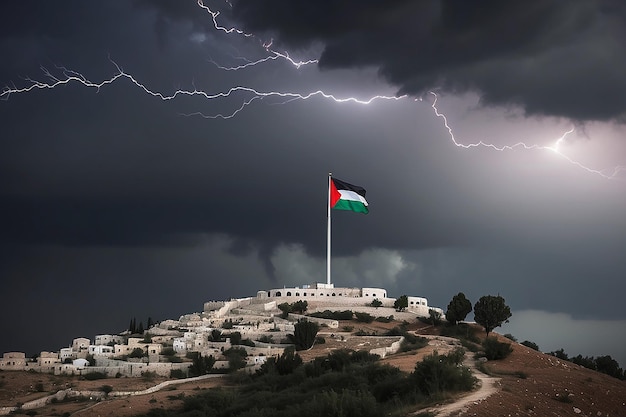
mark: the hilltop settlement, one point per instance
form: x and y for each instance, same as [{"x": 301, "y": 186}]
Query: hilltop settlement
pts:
[{"x": 258, "y": 327}]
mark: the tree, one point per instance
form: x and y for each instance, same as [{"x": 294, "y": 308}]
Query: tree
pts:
[
  {"x": 530, "y": 344},
  {"x": 201, "y": 365},
  {"x": 286, "y": 308},
  {"x": 216, "y": 335},
  {"x": 401, "y": 303},
  {"x": 235, "y": 338},
  {"x": 491, "y": 311},
  {"x": 150, "y": 323},
  {"x": 300, "y": 306},
  {"x": 304, "y": 334},
  {"x": 434, "y": 316},
  {"x": 458, "y": 309},
  {"x": 376, "y": 303},
  {"x": 137, "y": 353}
]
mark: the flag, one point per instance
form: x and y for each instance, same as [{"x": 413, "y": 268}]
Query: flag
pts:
[{"x": 344, "y": 196}]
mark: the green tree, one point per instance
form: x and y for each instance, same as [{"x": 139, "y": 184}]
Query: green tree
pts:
[
  {"x": 236, "y": 358},
  {"x": 137, "y": 353},
  {"x": 216, "y": 335},
  {"x": 91, "y": 360},
  {"x": 376, "y": 303},
  {"x": 401, "y": 303},
  {"x": 201, "y": 365},
  {"x": 286, "y": 308},
  {"x": 608, "y": 365},
  {"x": 530, "y": 344},
  {"x": 300, "y": 306},
  {"x": 491, "y": 311},
  {"x": 235, "y": 338},
  {"x": 304, "y": 334},
  {"x": 106, "y": 389},
  {"x": 458, "y": 309},
  {"x": 434, "y": 316}
]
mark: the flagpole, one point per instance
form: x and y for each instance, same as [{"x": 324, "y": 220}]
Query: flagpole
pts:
[{"x": 330, "y": 174}]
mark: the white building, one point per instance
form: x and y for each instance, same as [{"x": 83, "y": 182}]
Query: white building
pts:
[{"x": 101, "y": 350}]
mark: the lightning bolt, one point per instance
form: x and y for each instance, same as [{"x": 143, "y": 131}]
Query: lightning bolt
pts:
[
  {"x": 274, "y": 55},
  {"x": 614, "y": 172},
  {"x": 66, "y": 76}
]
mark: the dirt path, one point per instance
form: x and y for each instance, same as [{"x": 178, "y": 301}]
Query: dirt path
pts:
[{"x": 487, "y": 386}]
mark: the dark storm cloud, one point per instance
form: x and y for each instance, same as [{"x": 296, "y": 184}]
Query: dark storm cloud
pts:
[
  {"x": 556, "y": 58},
  {"x": 115, "y": 195}
]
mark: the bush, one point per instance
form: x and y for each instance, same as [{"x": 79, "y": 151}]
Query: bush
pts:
[
  {"x": 495, "y": 350},
  {"x": 168, "y": 351},
  {"x": 364, "y": 317},
  {"x": 530, "y": 344},
  {"x": 333, "y": 315},
  {"x": 137, "y": 353},
  {"x": 92, "y": 376},
  {"x": 177, "y": 374},
  {"x": 439, "y": 373}
]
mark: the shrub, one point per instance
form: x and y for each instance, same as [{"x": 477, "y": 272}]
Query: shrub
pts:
[
  {"x": 376, "y": 303},
  {"x": 137, "y": 353},
  {"x": 333, "y": 315},
  {"x": 177, "y": 373},
  {"x": 530, "y": 344},
  {"x": 439, "y": 373},
  {"x": 510, "y": 337},
  {"x": 387, "y": 319},
  {"x": 495, "y": 350},
  {"x": 364, "y": 317},
  {"x": 168, "y": 351},
  {"x": 92, "y": 376}
]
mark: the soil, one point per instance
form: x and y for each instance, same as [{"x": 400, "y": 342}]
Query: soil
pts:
[{"x": 527, "y": 383}]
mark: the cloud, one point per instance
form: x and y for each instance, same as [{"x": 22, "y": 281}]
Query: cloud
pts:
[
  {"x": 371, "y": 268},
  {"x": 548, "y": 57}
]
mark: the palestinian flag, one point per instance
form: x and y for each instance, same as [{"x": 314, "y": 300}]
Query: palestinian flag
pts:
[{"x": 344, "y": 196}]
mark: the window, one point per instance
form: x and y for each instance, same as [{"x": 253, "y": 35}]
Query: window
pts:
[
  {"x": 297, "y": 294},
  {"x": 277, "y": 293},
  {"x": 305, "y": 294},
  {"x": 288, "y": 293}
]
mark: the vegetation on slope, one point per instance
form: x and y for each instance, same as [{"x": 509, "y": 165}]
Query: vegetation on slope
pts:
[{"x": 343, "y": 383}]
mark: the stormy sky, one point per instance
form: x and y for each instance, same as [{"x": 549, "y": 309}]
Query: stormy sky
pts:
[{"x": 199, "y": 171}]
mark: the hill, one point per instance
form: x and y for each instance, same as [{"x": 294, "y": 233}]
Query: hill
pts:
[{"x": 527, "y": 383}]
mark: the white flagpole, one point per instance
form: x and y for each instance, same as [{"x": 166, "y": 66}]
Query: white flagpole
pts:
[{"x": 328, "y": 235}]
